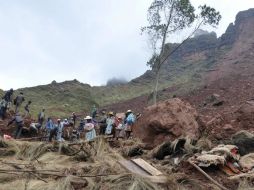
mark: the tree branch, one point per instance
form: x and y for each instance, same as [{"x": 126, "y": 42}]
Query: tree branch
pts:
[{"x": 174, "y": 50}]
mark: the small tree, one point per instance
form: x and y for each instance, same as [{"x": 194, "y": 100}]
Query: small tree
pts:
[{"x": 168, "y": 17}]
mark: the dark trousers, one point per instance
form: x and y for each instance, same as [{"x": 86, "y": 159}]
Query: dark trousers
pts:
[
  {"x": 2, "y": 112},
  {"x": 103, "y": 129},
  {"x": 53, "y": 133},
  {"x": 18, "y": 131}
]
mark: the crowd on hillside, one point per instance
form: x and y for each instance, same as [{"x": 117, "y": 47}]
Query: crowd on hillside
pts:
[{"x": 98, "y": 123}]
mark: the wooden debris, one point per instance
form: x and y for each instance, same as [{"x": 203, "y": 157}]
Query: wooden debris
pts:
[
  {"x": 207, "y": 176},
  {"x": 142, "y": 170},
  {"x": 147, "y": 167}
]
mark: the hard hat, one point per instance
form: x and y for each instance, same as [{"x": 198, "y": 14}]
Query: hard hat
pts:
[
  {"x": 65, "y": 120},
  {"x": 128, "y": 111},
  {"x": 87, "y": 117},
  {"x": 58, "y": 119},
  {"x": 110, "y": 113}
]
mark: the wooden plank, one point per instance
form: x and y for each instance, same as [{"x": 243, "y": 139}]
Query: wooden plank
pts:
[
  {"x": 134, "y": 168},
  {"x": 147, "y": 167},
  {"x": 130, "y": 166}
]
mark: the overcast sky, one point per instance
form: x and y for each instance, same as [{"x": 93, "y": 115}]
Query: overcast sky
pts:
[{"x": 91, "y": 41}]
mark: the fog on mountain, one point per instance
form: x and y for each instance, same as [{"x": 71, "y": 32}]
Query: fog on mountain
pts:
[{"x": 116, "y": 81}]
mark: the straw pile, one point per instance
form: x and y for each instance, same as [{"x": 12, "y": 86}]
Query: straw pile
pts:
[{"x": 43, "y": 166}]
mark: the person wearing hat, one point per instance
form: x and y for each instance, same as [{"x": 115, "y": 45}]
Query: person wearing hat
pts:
[
  {"x": 120, "y": 132},
  {"x": 19, "y": 125},
  {"x": 89, "y": 129},
  {"x": 129, "y": 122},
  {"x": 110, "y": 123},
  {"x": 18, "y": 101}
]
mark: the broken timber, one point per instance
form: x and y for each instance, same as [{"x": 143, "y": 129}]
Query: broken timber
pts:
[
  {"x": 207, "y": 176},
  {"x": 144, "y": 169}
]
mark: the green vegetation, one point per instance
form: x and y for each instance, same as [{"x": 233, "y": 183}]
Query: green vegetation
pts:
[{"x": 59, "y": 99}]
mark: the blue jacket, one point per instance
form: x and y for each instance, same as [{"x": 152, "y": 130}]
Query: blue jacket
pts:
[{"x": 130, "y": 119}]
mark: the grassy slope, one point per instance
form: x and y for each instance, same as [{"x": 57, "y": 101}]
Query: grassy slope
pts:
[{"x": 59, "y": 99}]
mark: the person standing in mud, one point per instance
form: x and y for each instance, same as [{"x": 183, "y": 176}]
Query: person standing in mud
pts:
[
  {"x": 49, "y": 127},
  {"x": 3, "y": 109},
  {"x": 5, "y": 103},
  {"x": 19, "y": 125},
  {"x": 18, "y": 101},
  {"x": 103, "y": 122},
  {"x": 89, "y": 128},
  {"x": 8, "y": 96},
  {"x": 129, "y": 122},
  {"x": 41, "y": 117},
  {"x": 110, "y": 123},
  {"x": 53, "y": 131},
  {"x": 94, "y": 112},
  {"x": 27, "y": 109},
  {"x": 74, "y": 118}
]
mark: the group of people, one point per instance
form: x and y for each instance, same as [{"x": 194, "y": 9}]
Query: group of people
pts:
[
  {"x": 118, "y": 125},
  {"x": 7, "y": 100},
  {"x": 5, "y": 104},
  {"x": 103, "y": 123},
  {"x": 115, "y": 125}
]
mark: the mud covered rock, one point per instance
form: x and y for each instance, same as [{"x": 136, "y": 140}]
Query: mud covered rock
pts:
[
  {"x": 167, "y": 120},
  {"x": 245, "y": 115},
  {"x": 244, "y": 141}
]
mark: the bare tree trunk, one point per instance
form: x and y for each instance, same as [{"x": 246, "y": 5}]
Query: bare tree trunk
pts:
[{"x": 155, "y": 91}]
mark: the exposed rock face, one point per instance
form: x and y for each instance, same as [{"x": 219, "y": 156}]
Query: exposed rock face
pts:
[
  {"x": 234, "y": 31},
  {"x": 167, "y": 121}
]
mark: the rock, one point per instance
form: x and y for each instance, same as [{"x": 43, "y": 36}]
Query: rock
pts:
[
  {"x": 167, "y": 120},
  {"x": 163, "y": 150},
  {"x": 228, "y": 127},
  {"x": 135, "y": 151},
  {"x": 244, "y": 141},
  {"x": 214, "y": 100},
  {"x": 245, "y": 115}
]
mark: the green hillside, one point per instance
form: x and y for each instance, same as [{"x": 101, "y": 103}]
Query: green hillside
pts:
[{"x": 59, "y": 99}]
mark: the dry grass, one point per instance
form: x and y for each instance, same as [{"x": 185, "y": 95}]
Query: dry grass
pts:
[{"x": 43, "y": 156}]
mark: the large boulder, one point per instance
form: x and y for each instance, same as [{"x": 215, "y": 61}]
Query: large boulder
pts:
[
  {"x": 245, "y": 115},
  {"x": 167, "y": 120}
]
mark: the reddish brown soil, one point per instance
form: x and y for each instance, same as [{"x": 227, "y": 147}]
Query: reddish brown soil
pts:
[{"x": 168, "y": 120}]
